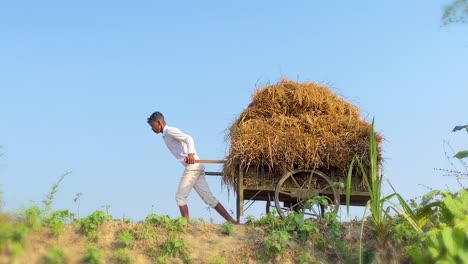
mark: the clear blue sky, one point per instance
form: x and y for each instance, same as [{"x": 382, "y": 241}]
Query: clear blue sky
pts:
[{"x": 78, "y": 80}]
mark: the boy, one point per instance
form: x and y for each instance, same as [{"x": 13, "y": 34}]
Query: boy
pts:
[{"x": 182, "y": 147}]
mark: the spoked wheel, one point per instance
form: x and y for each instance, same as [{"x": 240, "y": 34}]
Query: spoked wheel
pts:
[{"x": 295, "y": 188}]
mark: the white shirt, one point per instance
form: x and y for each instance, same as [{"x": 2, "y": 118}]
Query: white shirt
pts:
[{"x": 180, "y": 145}]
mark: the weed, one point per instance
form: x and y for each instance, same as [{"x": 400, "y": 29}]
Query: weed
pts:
[
  {"x": 93, "y": 255},
  {"x": 126, "y": 239},
  {"x": 158, "y": 220},
  {"x": 227, "y": 228},
  {"x": 32, "y": 217},
  {"x": 55, "y": 256},
  {"x": 57, "y": 220},
  {"x": 78, "y": 199},
  {"x": 447, "y": 242},
  {"x": 304, "y": 258},
  {"x": 50, "y": 196},
  {"x": 250, "y": 219},
  {"x": 303, "y": 228},
  {"x": 122, "y": 256},
  {"x": 175, "y": 247},
  {"x": 90, "y": 224},
  {"x": 143, "y": 232},
  {"x": 270, "y": 221},
  {"x": 12, "y": 238},
  {"x": 178, "y": 224},
  {"x": 275, "y": 244}
]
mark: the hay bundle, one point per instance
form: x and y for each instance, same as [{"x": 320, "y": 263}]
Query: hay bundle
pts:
[{"x": 295, "y": 126}]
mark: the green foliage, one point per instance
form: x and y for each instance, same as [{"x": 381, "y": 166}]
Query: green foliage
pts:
[
  {"x": 93, "y": 255},
  {"x": 55, "y": 256},
  {"x": 271, "y": 222},
  {"x": 126, "y": 239},
  {"x": 90, "y": 224},
  {"x": 32, "y": 217},
  {"x": 463, "y": 153},
  {"x": 50, "y": 196},
  {"x": 174, "y": 246},
  {"x": 275, "y": 244},
  {"x": 122, "y": 256},
  {"x": 298, "y": 225},
  {"x": 447, "y": 242},
  {"x": 304, "y": 258},
  {"x": 227, "y": 228},
  {"x": 56, "y": 221},
  {"x": 178, "y": 224},
  {"x": 373, "y": 182},
  {"x": 143, "y": 231},
  {"x": 250, "y": 219},
  {"x": 12, "y": 238}
]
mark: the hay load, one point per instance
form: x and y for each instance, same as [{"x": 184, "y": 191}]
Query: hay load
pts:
[{"x": 291, "y": 125}]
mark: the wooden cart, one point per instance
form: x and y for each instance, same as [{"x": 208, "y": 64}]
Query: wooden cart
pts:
[{"x": 291, "y": 191}]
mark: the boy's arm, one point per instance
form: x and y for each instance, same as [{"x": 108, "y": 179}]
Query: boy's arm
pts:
[{"x": 180, "y": 136}]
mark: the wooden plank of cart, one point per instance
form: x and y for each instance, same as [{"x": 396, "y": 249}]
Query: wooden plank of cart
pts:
[{"x": 290, "y": 192}]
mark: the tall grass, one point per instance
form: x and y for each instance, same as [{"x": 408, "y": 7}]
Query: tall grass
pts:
[{"x": 380, "y": 219}]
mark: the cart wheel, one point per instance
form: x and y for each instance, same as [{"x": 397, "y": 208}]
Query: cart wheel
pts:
[{"x": 295, "y": 188}]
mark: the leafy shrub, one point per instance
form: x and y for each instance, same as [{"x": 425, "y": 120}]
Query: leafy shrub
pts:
[
  {"x": 32, "y": 217},
  {"x": 172, "y": 225},
  {"x": 90, "y": 224},
  {"x": 303, "y": 228},
  {"x": 55, "y": 256},
  {"x": 227, "y": 228},
  {"x": 121, "y": 256},
  {"x": 126, "y": 239},
  {"x": 446, "y": 242},
  {"x": 175, "y": 247},
  {"x": 57, "y": 220},
  {"x": 93, "y": 255},
  {"x": 275, "y": 244}
]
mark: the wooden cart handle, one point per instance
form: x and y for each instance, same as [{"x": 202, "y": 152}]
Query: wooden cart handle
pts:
[{"x": 211, "y": 161}]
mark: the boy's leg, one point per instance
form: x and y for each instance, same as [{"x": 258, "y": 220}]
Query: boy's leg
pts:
[
  {"x": 188, "y": 180},
  {"x": 202, "y": 188}
]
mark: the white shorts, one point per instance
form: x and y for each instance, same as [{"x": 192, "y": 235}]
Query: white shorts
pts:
[{"x": 194, "y": 179}]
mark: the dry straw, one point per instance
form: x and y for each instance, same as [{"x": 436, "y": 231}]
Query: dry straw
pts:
[{"x": 295, "y": 125}]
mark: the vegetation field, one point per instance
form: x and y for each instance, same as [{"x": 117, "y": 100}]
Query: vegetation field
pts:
[{"x": 433, "y": 229}]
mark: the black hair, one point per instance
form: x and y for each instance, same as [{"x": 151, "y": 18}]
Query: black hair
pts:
[{"x": 156, "y": 116}]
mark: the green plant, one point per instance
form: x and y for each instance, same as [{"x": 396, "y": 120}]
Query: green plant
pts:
[
  {"x": 56, "y": 221},
  {"x": 122, "y": 256},
  {"x": 275, "y": 244},
  {"x": 334, "y": 232},
  {"x": 32, "y": 217},
  {"x": 227, "y": 228},
  {"x": 250, "y": 219},
  {"x": 12, "y": 238},
  {"x": 175, "y": 247},
  {"x": 50, "y": 196},
  {"x": 462, "y": 153},
  {"x": 448, "y": 241},
  {"x": 143, "y": 231},
  {"x": 55, "y": 256},
  {"x": 93, "y": 255},
  {"x": 303, "y": 228},
  {"x": 126, "y": 239},
  {"x": 304, "y": 258},
  {"x": 90, "y": 224},
  {"x": 271, "y": 222},
  {"x": 77, "y": 199},
  {"x": 178, "y": 224}
]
